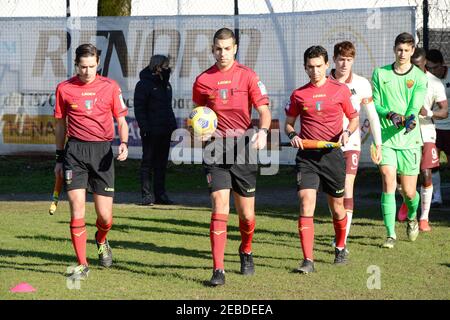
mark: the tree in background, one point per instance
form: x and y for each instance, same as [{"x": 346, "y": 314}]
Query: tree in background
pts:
[{"x": 113, "y": 8}]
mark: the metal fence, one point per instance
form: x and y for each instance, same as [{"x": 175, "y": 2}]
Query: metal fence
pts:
[
  {"x": 433, "y": 25},
  {"x": 436, "y": 16}
]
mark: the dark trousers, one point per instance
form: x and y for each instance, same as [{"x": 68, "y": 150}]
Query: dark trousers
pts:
[{"x": 155, "y": 155}]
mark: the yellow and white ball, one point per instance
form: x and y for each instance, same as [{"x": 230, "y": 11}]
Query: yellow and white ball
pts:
[{"x": 202, "y": 121}]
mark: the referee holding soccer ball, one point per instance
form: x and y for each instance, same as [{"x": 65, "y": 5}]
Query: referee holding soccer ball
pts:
[{"x": 230, "y": 89}]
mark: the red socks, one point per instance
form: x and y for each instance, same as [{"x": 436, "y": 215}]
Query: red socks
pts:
[
  {"x": 340, "y": 227},
  {"x": 247, "y": 229},
  {"x": 102, "y": 230},
  {"x": 79, "y": 237},
  {"x": 218, "y": 237},
  {"x": 306, "y": 234}
]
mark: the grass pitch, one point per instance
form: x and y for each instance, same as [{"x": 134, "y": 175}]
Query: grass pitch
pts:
[{"x": 163, "y": 252}]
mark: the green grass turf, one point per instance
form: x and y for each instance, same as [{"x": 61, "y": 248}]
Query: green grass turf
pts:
[{"x": 164, "y": 253}]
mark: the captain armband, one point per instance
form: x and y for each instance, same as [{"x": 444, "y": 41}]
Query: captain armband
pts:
[{"x": 366, "y": 101}]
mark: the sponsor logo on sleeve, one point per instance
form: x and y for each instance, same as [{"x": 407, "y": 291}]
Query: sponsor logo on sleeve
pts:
[
  {"x": 287, "y": 106},
  {"x": 262, "y": 88},
  {"x": 124, "y": 106}
]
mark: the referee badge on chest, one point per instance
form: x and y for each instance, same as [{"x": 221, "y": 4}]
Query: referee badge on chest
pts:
[
  {"x": 223, "y": 93},
  {"x": 319, "y": 105},
  {"x": 88, "y": 104}
]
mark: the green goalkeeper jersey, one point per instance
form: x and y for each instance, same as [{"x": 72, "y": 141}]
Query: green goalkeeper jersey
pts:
[{"x": 403, "y": 94}]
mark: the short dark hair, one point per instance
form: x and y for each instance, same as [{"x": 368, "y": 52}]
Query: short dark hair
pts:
[
  {"x": 223, "y": 34},
  {"x": 345, "y": 49},
  {"x": 435, "y": 56},
  {"x": 404, "y": 37},
  {"x": 315, "y": 52},
  {"x": 86, "y": 50},
  {"x": 158, "y": 60},
  {"x": 419, "y": 53}
]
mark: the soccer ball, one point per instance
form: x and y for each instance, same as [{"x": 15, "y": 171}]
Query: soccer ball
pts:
[{"x": 203, "y": 122}]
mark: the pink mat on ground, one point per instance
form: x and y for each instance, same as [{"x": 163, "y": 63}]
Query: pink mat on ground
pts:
[{"x": 23, "y": 287}]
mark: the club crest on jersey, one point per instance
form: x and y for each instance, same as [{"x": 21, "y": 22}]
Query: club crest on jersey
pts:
[{"x": 409, "y": 83}]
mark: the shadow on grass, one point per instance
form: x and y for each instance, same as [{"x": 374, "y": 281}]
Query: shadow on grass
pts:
[
  {"x": 147, "y": 269},
  {"x": 206, "y": 225},
  {"x": 148, "y": 246},
  {"x": 145, "y": 246},
  {"x": 29, "y": 266},
  {"x": 201, "y": 225},
  {"x": 57, "y": 258},
  {"x": 125, "y": 228}
]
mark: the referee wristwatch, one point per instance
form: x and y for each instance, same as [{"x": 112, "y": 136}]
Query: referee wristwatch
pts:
[
  {"x": 292, "y": 134},
  {"x": 348, "y": 132}
]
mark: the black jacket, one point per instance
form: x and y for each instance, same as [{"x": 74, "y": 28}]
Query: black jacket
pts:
[{"x": 153, "y": 104}]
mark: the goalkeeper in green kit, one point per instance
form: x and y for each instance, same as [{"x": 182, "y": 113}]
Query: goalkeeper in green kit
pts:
[{"x": 399, "y": 93}]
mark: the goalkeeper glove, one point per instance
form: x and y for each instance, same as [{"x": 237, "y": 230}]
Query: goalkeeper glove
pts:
[
  {"x": 410, "y": 123},
  {"x": 397, "y": 119}
]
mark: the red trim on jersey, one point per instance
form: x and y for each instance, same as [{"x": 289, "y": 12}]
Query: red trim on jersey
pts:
[
  {"x": 231, "y": 94},
  {"x": 90, "y": 108},
  {"x": 321, "y": 109}
]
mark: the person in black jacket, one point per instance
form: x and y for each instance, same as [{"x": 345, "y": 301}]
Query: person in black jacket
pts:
[{"x": 156, "y": 120}]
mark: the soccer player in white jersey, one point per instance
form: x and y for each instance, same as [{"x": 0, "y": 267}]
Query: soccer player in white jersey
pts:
[
  {"x": 343, "y": 57},
  {"x": 435, "y": 65},
  {"x": 430, "y": 157}
]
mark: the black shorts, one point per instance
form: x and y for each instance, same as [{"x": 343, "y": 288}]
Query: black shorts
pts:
[
  {"x": 232, "y": 167},
  {"x": 321, "y": 167},
  {"x": 89, "y": 165}
]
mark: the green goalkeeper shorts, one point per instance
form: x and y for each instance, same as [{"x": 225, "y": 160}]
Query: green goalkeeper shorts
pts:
[{"x": 406, "y": 161}]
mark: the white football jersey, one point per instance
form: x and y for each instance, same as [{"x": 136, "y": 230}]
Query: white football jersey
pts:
[
  {"x": 445, "y": 123},
  {"x": 435, "y": 93},
  {"x": 360, "y": 88}
]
